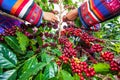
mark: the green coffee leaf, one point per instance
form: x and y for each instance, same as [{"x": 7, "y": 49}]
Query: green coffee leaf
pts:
[{"x": 7, "y": 57}]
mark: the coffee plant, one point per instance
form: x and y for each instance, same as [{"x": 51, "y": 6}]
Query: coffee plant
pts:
[{"x": 50, "y": 52}]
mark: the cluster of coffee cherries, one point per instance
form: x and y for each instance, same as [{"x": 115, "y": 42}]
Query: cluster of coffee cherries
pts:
[
  {"x": 68, "y": 49},
  {"x": 71, "y": 32},
  {"x": 96, "y": 48},
  {"x": 81, "y": 67},
  {"x": 9, "y": 31},
  {"x": 28, "y": 34},
  {"x": 84, "y": 36},
  {"x": 69, "y": 52},
  {"x": 62, "y": 40},
  {"x": 50, "y": 35},
  {"x": 50, "y": 25},
  {"x": 114, "y": 66},
  {"x": 87, "y": 38},
  {"x": 108, "y": 56},
  {"x": 58, "y": 62},
  {"x": 64, "y": 59},
  {"x": 51, "y": 44}
]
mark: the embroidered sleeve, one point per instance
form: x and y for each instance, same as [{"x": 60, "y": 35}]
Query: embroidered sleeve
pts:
[
  {"x": 24, "y": 9},
  {"x": 95, "y": 11}
]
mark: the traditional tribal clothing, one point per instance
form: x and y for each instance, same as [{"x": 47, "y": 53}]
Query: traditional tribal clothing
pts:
[
  {"x": 25, "y": 9},
  {"x": 91, "y": 12},
  {"x": 7, "y": 22},
  {"x": 95, "y": 11}
]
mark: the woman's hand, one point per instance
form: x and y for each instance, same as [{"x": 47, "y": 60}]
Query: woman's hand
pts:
[
  {"x": 70, "y": 16},
  {"x": 49, "y": 17}
]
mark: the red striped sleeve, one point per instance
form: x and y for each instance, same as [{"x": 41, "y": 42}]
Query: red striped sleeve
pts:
[
  {"x": 30, "y": 13},
  {"x": 34, "y": 15},
  {"x": 39, "y": 15},
  {"x": 21, "y": 7},
  {"x": 1, "y": 2},
  {"x": 93, "y": 19}
]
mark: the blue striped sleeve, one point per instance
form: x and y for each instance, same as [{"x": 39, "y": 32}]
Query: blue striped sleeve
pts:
[{"x": 7, "y": 5}]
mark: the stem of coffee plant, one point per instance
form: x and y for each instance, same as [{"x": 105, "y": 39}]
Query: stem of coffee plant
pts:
[
  {"x": 60, "y": 17},
  {"x": 111, "y": 40},
  {"x": 106, "y": 77}
]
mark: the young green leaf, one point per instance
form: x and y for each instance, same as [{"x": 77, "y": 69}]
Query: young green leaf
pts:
[
  {"x": 23, "y": 41},
  {"x": 101, "y": 67},
  {"x": 39, "y": 40}
]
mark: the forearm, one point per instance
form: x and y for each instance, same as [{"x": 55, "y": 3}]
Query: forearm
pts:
[
  {"x": 95, "y": 11},
  {"x": 24, "y": 9}
]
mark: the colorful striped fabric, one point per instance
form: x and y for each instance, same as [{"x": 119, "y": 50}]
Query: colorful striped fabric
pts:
[
  {"x": 25, "y": 9},
  {"x": 8, "y": 22},
  {"x": 93, "y": 12}
]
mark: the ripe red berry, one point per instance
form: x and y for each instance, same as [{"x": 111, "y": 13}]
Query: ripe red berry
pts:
[
  {"x": 64, "y": 58},
  {"x": 107, "y": 56},
  {"x": 81, "y": 67},
  {"x": 96, "y": 48},
  {"x": 114, "y": 66},
  {"x": 58, "y": 62}
]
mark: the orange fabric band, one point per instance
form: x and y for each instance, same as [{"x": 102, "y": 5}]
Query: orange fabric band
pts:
[{"x": 16, "y": 6}]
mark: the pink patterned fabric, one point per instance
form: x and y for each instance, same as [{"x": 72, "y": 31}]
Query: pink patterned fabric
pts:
[{"x": 93, "y": 12}]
